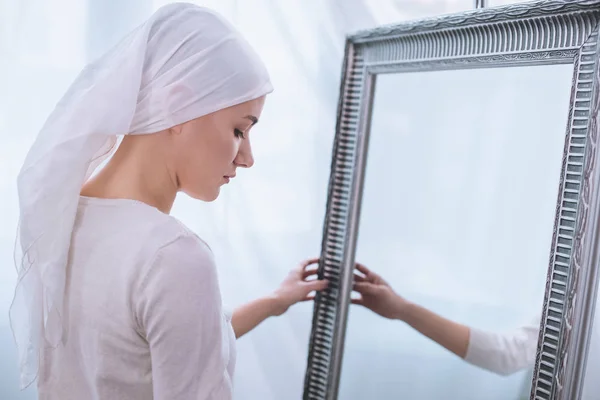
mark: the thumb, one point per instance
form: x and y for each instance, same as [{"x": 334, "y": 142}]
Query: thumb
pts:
[{"x": 358, "y": 300}]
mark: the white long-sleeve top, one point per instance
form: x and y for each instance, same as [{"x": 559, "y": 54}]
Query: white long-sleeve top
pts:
[
  {"x": 513, "y": 351},
  {"x": 143, "y": 312},
  {"x": 504, "y": 353}
]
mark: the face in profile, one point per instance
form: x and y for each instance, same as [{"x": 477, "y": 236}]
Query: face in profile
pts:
[{"x": 209, "y": 150}]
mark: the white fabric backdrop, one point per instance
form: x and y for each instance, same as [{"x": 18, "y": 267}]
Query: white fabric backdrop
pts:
[{"x": 272, "y": 217}]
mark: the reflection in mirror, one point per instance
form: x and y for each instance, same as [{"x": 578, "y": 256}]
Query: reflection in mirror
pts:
[{"x": 457, "y": 217}]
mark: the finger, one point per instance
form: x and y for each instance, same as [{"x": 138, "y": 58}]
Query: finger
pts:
[
  {"x": 309, "y": 272},
  {"x": 366, "y": 271},
  {"x": 364, "y": 287},
  {"x": 356, "y": 298},
  {"x": 359, "y": 278},
  {"x": 370, "y": 275},
  {"x": 308, "y": 262},
  {"x": 358, "y": 301},
  {"x": 316, "y": 285},
  {"x": 310, "y": 297}
]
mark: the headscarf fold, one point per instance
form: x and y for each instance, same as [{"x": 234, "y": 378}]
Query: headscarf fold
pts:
[{"x": 184, "y": 62}]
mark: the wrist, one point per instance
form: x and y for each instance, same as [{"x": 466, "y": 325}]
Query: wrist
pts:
[
  {"x": 274, "y": 304},
  {"x": 403, "y": 309}
]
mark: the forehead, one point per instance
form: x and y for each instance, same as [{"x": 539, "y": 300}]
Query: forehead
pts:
[{"x": 251, "y": 108}]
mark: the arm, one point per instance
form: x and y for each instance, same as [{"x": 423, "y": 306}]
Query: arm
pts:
[
  {"x": 500, "y": 353},
  {"x": 504, "y": 353},
  {"x": 295, "y": 288},
  {"x": 379, "y": 297},
  {"x": 451, "y": 335},
  {"x": 250, "y": 315},
  {"x": 178, "y": 311}
]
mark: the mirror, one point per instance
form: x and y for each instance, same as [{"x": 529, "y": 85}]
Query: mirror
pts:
[{"x": 458, "y": 207}]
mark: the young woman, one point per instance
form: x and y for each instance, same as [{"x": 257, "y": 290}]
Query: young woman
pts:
[{"x": 116, "y": 299}]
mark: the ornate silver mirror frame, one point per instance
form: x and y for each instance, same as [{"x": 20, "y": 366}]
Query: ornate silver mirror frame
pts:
[{"x": 533, "y": 33}]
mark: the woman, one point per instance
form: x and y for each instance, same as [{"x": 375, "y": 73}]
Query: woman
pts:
[
  {"x": 501, "y": 353},
  {"x": 116, "y": 299}
]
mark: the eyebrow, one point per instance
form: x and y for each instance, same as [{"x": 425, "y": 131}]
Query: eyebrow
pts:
[{"x": 252, "y": 118}]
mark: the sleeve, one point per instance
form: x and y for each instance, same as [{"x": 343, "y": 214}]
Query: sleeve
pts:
[
  {"x": 179, "y": 311},
  {"x": 503, "y": 353}
]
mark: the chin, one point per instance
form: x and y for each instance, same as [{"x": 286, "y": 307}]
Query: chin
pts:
[
  {"x": 210, "y": 199},
  {"x": 206, "y": 196}
]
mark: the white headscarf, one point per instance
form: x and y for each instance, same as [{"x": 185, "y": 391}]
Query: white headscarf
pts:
[{"x": 183, "y": 63}]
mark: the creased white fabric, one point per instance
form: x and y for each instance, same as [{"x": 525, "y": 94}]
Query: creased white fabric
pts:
[
  {"x": 143, "y": 312},
  {"x": 504, "y": 353},
  {"x": 183, "y": 62}
]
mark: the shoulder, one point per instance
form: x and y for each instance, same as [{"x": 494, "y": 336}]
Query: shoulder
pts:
[
  {"x": 185, "y": 250},
  {"x": 168, "y": 240},
  {"x": 171, "y": 255},
  {"x": 141, "y": 229},
  {"x": 179, "y": 282}
]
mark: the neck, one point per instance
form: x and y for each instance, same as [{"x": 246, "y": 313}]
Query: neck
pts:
[{"x": 137, "y": 171}]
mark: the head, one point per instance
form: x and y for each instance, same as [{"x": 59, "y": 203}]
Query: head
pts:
[
  {"x": 204, "y": 153},
  {"x": 206, "y": 88},
  {"x": 202, "y": 90}
]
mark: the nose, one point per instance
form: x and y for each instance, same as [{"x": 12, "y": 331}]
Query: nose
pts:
[{"x": 244, "y": 158}]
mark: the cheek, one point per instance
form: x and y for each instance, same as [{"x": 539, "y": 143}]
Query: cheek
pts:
[
  {"x": 222, "y": 147},
  {"x": 188, "y": 158},
  {"x": 230, "y": 149},
  {"x": 206, "y": 154}
]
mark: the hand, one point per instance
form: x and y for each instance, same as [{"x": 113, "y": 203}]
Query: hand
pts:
[
  {"x": 296, "y": 288},
  {"x": 377, "y": 295}
]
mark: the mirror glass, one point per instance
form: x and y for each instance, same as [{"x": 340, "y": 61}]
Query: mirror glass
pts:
[{"x": 457, "y": 216}]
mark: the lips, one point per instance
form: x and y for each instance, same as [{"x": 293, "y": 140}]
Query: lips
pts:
[{"x": 228, "y": 178}]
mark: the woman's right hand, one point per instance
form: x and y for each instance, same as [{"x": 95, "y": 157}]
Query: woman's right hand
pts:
[{"x": 377, "y": 295}]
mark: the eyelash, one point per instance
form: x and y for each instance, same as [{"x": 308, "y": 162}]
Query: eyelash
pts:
[{"x": 238, "y": 133}]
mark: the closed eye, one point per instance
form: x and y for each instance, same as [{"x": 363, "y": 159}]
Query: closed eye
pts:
[{"x": 238, "y": 133}]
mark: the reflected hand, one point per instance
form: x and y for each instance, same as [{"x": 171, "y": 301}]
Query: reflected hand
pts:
[
  {"x": 376, "y": 294},
  {"x": 297, "y": 286}
]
